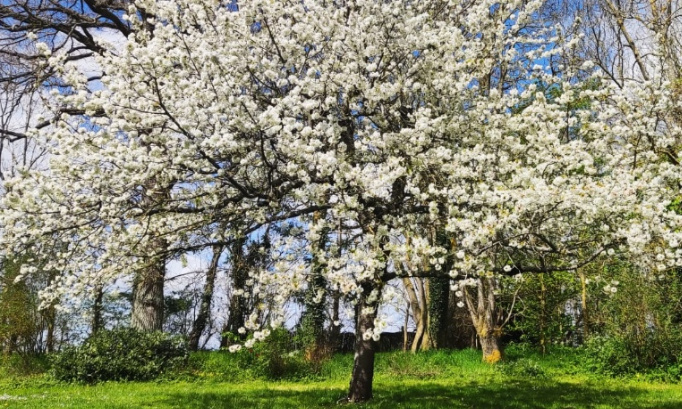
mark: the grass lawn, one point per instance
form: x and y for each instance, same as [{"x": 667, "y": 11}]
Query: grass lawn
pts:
[{"x": 431, "y": 380}]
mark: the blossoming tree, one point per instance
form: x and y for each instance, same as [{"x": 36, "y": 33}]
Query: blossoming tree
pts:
[{"x": 386, "y": 123}]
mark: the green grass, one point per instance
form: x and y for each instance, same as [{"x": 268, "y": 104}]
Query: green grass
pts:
[{"x": 439, "y": 379}]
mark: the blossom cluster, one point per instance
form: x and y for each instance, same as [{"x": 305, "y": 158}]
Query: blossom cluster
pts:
[{"x": 389, "y": 118}]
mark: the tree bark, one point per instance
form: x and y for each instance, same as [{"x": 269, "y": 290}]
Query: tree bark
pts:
[
  {"x": 314, "y": 315},
  {"x": 97, "y": 309},
  {"x": 619, "y": 18},
  {"x": 148, "y": 302},
  {"x": 543, "y": 313},
  {"x": 583, "y": 305},
  {"x": 485, "y": 318},
  {"x": 363, "y": 364},
  {"x": 335, "y": 330},
  {"x": 407, "y": 321},
  {"x": 50, "y": 314},
  {"x": 148, "y": 283},
  {"x": 237, "y": 307},
  {"x": 199, "y": 324},
  {"x": 50, "y": 318},
  {"x": 427, "y": 340},
  {"x": 492, "y": 347},
  {"x": 419, "y": 305}
]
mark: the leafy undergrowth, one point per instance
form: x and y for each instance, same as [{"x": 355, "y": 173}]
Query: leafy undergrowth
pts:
[{"x": 438, "y": 379}]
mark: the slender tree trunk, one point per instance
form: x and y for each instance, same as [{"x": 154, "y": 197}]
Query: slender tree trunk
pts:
[
  {"x": 427, "y": 339},
  {"x": 50, "y": 315},
  {"x": 97, "y": 309},
  {"x": 11, "y": 344},
  {"x": 335, "y": 330},
  {"x": 237, "y": 307},
  {"x": 407, "y": 321},
  {"x": 619, "y": 18},
  {"x": 583, "y": 305},
  {"x": 418, "y": 335},
  {"x": 148, "y": 302},
  {"x": 543, "y": 314},
  {"x": 363, "y": 365},
  {"x": 199, "y": 324},
  {"x": 50, "y": 318}
]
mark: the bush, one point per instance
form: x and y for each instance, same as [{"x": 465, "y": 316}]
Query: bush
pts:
[
  {"x": 656, "y": 355},
  {"x": 22, "y": 365},
  {"x": 523, "y": 367},
  {"x": 121, "y": 354},
  {"x": 276, "y": 357},
  {"x": 609, "y": 356}
]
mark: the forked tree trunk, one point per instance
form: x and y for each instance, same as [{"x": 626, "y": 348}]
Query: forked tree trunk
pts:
[
  {"x": 200, "y": 322},
  {"x": 363, "y": 365},
  {"x": 148, "y": 302},
  {"x": 485, "y": 318},
  {"x": 419, "y": 306}
]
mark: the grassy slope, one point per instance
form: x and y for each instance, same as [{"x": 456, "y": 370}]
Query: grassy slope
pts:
[{"x": 432, "y": 380}]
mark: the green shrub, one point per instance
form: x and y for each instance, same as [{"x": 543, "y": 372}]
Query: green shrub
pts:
[
  {"x": 23, "y": 365},
  {"x": 523, "y": 367},
  {"x": 276, "y": 357},
  {"x": 121, "y": 354},
  {"x": 656, "y": 355},
  {"x": 610, "y": 356},
  {"x": 218, "y": 366}
]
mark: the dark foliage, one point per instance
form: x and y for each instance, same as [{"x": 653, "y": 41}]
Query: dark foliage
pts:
[{"x": 120, "y": 354}]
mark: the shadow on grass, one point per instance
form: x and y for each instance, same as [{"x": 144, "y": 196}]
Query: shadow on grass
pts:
[{"x": 513, "y": 394}]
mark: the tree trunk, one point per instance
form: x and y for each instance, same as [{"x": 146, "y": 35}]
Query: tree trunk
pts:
[
  {"x": 148, "y": 283},
  {"x": 50, "y": 315},
  {"x": 485, "y": 318},
  {"x": 419, "y": 305},
  {"x": 407, "y": 321},
  {"x": 418, "y": 335},
  {"x": 583, "y": 305},
  {"x": 199, "y": 324},
  {"x": 427, "y": 341},
  {"x": 363, "y": 365},
  {"x": 492, "y": 347},
  {"x": 543, "y": 313},
  {"x": 314, "y": 315},
  {"x": 438, "y": 311},
  {"x": 148, "y": 302},
  {"x": 335, "y": 330},
  {"x": 237, "y": 307},
  {"x": 97, "y": 309}
]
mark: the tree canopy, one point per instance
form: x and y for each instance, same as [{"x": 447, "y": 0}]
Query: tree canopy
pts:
[{"x": 429, "y": 139}]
